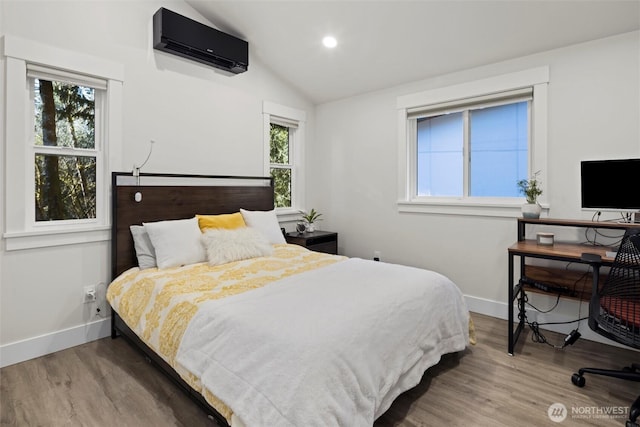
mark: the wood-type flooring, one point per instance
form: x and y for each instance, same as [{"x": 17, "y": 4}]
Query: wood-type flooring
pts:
[{"x": 108, "y": 383}]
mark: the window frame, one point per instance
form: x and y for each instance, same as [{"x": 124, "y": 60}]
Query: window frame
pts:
[
  {"x": 20, "y": 228},
  {"x": 408, "y": 201},
  {"x": 295, "y": 120}
]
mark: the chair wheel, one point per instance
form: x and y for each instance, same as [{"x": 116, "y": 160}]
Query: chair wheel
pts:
[{"x": 578, "y": 380}]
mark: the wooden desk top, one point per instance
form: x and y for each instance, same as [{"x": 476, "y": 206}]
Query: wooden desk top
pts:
[{"x": 566, "y": 251}]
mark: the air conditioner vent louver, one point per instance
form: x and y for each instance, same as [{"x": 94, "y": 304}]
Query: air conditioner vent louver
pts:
[{"x": 203, "y": 57}]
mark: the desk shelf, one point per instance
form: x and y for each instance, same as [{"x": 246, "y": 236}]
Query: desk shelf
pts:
[{"x": 576, "y": 281}]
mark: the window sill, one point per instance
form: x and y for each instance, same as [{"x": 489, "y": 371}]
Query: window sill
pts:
[
  {"x": 468, "y": 207},
  {"x": 287, "y": 214},
  {"x": 42, "y": 239}
]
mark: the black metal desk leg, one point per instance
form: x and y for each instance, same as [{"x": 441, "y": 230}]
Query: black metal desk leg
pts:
[{"x": 510, "y": 305}]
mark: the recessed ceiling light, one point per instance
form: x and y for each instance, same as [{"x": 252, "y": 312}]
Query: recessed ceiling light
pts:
[{"x": 330, "y": 42}]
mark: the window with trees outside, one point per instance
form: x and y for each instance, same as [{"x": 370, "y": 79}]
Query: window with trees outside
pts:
[
  {"x": 284, "y": 131},
  {"x": 66, "y": 146},
  {"x": 280, "y": 163},
  {"x": 60, "y": 105}
]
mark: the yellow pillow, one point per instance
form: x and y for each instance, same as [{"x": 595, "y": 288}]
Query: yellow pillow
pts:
[{"x": 226, "y": 221}]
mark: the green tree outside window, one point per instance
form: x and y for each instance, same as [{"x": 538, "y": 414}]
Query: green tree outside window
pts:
[{"x": 65, "y": 185}]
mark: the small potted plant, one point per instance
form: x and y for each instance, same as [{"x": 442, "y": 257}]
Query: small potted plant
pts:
[
  {"x": 310, "y": 218},
  {"x": 531, "y": 190}
]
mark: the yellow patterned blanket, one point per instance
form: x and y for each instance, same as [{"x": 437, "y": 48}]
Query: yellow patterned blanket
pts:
[{"x": 159, "y": 304}]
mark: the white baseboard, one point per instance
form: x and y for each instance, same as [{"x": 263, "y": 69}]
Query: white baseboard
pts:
[
  {"x": 487, "y": 307},
  {"x": 31, "y": 348}
]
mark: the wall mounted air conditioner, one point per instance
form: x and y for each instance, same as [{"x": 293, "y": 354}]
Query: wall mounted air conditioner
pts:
[{"x": 185, "y": 37}]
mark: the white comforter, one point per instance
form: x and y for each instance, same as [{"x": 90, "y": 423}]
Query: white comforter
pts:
[{"x": 329, "y": 347}]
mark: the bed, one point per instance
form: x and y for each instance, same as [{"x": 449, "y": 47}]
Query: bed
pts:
[{"x": 286, "y": 337}]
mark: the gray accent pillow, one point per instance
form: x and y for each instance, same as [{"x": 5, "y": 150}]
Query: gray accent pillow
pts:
[{"x": 144, "y": 248}]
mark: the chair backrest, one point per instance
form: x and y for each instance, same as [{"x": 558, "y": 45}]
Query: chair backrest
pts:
[{"x": 618, "y": 311}]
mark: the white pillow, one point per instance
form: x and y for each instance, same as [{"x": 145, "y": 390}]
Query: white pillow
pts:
[
  {"x": 176, "y": 242},
  {"x": 265, "y": 222},
  {"x": 143, "y": 246},
  {"x": 225, "y": 246}
]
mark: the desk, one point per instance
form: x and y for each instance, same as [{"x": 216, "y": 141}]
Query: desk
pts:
[{"x": 567, "y": 252}]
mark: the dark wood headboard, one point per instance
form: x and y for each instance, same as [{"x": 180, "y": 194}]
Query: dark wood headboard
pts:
[{"x": 167, "y": 197}]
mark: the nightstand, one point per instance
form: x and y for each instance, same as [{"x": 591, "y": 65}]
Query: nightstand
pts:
[{"x": 319, "y": 241}]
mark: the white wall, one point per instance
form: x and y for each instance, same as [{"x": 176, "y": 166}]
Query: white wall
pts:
[
  {"x": 203, "y": 121},
  {"x": 593, "y": 114}
]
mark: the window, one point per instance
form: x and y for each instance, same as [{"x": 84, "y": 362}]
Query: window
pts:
[
  {"x": 67, "y": 156},
  {"x": 472, "y": 151},
  {"x": 280, "y": 163},
  {"x": 284, "y": 159},
  {"x": 463, "y": 148},
  {"x": 63, "y": 135}
]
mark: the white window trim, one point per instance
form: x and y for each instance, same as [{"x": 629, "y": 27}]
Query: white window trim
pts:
[
  {"x": 20, "y": 231},
  {"x": 538, "y": 78},
  {"x": 284, "y": 113}
]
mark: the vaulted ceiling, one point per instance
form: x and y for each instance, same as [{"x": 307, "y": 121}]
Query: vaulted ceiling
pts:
[{"x": 386, "y": 43}]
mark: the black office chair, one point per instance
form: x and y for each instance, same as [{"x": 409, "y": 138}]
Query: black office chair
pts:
[{"x": 614, "y": 310}]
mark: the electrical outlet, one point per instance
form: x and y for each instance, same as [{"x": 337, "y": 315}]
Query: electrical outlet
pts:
[
  {"x": 89, "y": 294},
  {"x": 101, "y": 307}
]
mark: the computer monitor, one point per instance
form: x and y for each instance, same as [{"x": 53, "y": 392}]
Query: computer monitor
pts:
[{"x": 610, "y": 185}]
